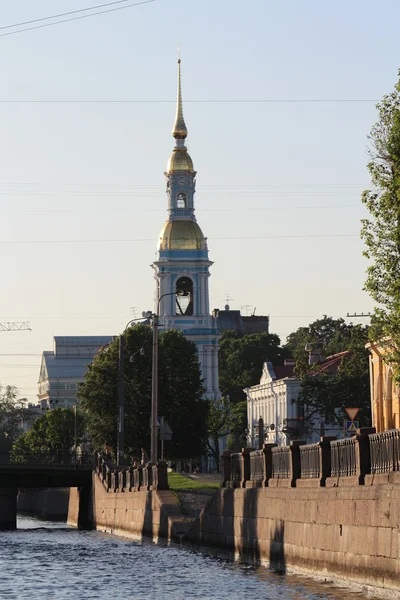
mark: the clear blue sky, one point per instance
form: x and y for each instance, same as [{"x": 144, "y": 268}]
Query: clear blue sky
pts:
[{"x": 95, "y": 171}]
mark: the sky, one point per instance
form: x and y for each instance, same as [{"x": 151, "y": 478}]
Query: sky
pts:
[{"x": 86, "y": 113}]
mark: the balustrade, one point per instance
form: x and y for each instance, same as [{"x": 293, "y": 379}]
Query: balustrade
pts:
[
  {"x": 237, "y": 468},
  {"x": 344, "y": 457},
  {"x": 385, "y": 451},
  {"x": 281, "y": 462},
  {"x": 310, "y": 461},
  {"x": 257, "y": 466}
]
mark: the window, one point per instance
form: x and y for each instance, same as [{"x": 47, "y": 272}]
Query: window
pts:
[
  {"x": 181, "y": 200},
  {"x": 184, "y": 296}
]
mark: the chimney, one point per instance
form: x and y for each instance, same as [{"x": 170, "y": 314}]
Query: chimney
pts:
[{"x": 314, "y": 355}]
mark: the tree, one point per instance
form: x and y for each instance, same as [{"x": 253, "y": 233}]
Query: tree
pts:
[
  {"x": 325, "y": 395},
  {"x": 327, "y": 336},
  {"x": 54, "y": 432},
  {"x": 224, "y": 418},
  {"x": 241, "y": 359},
  {"x": 12, "y": 407},
  {"x": 381, "y": 233},
  {"x": 179, "y": 398}
]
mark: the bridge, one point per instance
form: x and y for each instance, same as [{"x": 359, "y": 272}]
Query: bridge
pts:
[{"x": 41, "y": 470}]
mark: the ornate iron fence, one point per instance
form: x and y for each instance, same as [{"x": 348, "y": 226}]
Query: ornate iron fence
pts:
[
  {"x": 237, "y": 467},
  {"x": 257, "y": 466},
  {"x": 310, "y": 461},
  {"x": 344, "y": 458},
  {"x": 385, "y": 451},
  {"x": 281, "y": 458}
]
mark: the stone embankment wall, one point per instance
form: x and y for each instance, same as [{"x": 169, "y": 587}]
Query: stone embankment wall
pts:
[
  {"x": 330, "y": 510},
  {"x": 135, "y": 514},
  {"x": 51, "y": 503},
  {"x": 348, "y": 533}
]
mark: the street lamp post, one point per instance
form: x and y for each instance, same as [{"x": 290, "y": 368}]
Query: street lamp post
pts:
[
  {"x": 154, "y": 390},
  {"x": 121, "y": 393},
  {"x": 154, "y": 379}
]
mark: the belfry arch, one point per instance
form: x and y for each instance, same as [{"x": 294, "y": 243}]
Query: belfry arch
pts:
[{"x": 184, "y": 296}]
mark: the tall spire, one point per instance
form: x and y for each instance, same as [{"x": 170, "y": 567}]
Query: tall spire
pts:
[{"x": 179, "y": 131}]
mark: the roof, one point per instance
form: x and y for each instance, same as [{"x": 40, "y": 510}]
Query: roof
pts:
[
  {"x": 71, "y": 356},
  {"x": 65, "y": 368},
  {"x": 82, "y": 340},
  {"x": 282, "y": 371},
  {"x": 331, "y": 364}
]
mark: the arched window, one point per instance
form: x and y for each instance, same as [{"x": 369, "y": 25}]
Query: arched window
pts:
[
  {"x": 181, "y": 200},
  {"x": 184, "y": 296}
]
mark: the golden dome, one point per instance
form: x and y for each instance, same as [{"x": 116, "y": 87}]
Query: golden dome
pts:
[
  {"x": 180, "y": 161},
  {"x": 181, "y": 235}
]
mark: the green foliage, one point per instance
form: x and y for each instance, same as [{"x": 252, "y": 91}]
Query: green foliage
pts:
[
  {"x": 223, "y": 418},
  {"x": 327, "y": 335},
  {"x": 179, "y": 397},
  {"x": 11, "y": 412},
  {"x": 241, "y": 359},
  {"x": 53, "y": 432},
  {"x": 325, "y": 395},
  {"x": 381, "y": 233}
]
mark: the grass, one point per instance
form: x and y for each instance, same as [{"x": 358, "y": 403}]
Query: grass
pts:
[{"x": 178, "y": 482}]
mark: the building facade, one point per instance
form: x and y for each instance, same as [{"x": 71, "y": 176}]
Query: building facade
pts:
[
  {"x": 275, "y": 399},
  {"x": 385, "y": 394},
  {"x": 64, "y": 367},
  {"x": 233, "y": 320},
  {"x": 182, "y": 268}
]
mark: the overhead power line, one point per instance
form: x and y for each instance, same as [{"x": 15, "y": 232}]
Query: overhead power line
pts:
[
  {"x": 156, "y": 186},
  {"x": 65, "y": 14},
  {"x": 157, "y": 210},
  {"x": 209, "y": 101},
  {"x": 93, "y": 14},
  {"x": 129, "y": 241}
]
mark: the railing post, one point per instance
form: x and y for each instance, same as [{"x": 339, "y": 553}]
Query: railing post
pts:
[
  {"x": 108, "y": 474},
  {"x": 268, "y": 462},
  {"x": 295, "y": 465},
  {"x": 363, "y": 457},
  {"x": 148, "y": 476},
  {"x": 325, "y": 458},
  {"x": 138, "y": 478},
  {"x": 226, "y": 467},
  {"x": 245, "y": 465},
  {"x": 160, "y": 476}
]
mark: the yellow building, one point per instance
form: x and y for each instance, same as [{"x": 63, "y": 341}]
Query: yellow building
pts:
[{"x": 385, "y": 394}]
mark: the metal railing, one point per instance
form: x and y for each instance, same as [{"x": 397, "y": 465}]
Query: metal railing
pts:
[
  {"x": 281, "y": 459},
  {"x": 344, "y": 457},
  {"x": 46, "y": 459},
  {"x": 237, "y": 467},
  {"x": 385, "y": 451},
  {"x": 310, "y": 461},
  {"x": 257, "y": 465}
]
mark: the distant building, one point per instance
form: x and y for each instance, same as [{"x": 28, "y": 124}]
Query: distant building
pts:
[
  {"x": 29, "y": 416},
  {"x": 233, "y": 320},
  {"x": 275, "y": 399},
  {"x": 385, "y": 394},
  {"x": 64, "y": 367}
]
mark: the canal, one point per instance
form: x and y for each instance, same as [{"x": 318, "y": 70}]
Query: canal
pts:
[{"x": 51, "y": 560}]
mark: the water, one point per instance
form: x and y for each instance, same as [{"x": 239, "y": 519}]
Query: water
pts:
[{"x": 50, "y": 560}]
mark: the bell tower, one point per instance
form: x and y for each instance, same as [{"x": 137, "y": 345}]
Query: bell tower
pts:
[{"x": 182, "y": 268}]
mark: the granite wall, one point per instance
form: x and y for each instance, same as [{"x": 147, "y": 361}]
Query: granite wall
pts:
[{"x": 350, "y": 534}]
